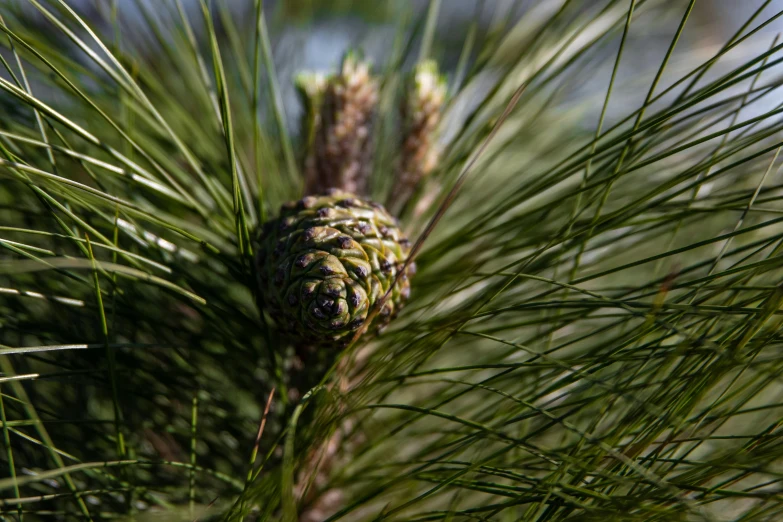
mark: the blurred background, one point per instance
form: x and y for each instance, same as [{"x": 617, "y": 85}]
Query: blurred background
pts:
[{"x": 313, "y": 35}]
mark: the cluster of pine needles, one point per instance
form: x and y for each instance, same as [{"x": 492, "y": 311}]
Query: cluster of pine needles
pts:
[{"x": 593, "y": 331}]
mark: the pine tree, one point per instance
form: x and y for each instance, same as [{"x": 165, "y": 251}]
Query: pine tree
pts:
[{"x": 587, "y": 246}]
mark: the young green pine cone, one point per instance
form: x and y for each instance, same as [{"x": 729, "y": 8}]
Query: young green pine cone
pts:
[
  {"x": 421, "y": 112},
  {"x": 341, "y": 110},
  {"x": 326, "y": 262}
]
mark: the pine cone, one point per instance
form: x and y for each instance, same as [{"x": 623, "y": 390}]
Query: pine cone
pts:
[{"x": 325, "y": 262}]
